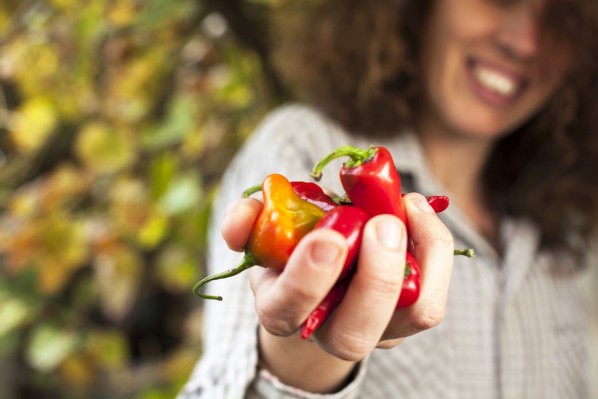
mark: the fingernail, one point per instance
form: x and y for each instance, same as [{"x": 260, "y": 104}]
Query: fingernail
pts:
[
  {"x": 324, "y": 253},
  {"x": 389, "y": 234},
  {"x": 421, "y": 203}
]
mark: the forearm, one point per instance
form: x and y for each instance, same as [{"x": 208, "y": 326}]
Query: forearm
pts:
[{"x": 303, "y": 364}]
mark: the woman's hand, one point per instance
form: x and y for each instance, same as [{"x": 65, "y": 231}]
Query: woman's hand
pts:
[{"x": 366, "y": 318}]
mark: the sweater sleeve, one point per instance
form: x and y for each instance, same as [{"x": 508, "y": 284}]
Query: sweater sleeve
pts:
[{"x": 289, "y": 142}]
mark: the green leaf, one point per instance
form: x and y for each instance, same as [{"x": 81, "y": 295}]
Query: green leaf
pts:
[
  {"x": 162, "y": 170},
  {"x": 178, "y": 123},
  {"x": 183, "y": 194},
  {"x": 13, "y": 313},
  {"x": 49, "y": 346},
  {"x": 176, "y": 268},
  {"x": 108, "y": 347}
]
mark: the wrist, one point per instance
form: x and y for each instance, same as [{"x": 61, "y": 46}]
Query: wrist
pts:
[{"x": 303, "y": 364}]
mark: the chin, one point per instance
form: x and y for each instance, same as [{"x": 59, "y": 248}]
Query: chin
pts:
[{"x": 479, "y": 123}]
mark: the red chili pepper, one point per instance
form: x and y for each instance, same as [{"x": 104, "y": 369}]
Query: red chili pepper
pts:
[
  {"x": 284, "y": 220},
  {"x": 308, "y": 191},
  {"x": 439, "y": 203},
  {"x": 409, "y": 295},
  {"x": 370, "y": 179},
  {"x": 320, "y": 314},
  {"x": 349, "y": 221},
  {"x": 411, "y": 283},
  {"x": 313, "y": 193}
]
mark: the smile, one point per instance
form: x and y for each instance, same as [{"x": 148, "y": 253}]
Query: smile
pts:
[{"x": 494, "y": 84}]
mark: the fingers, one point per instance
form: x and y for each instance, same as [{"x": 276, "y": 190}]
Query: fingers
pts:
[
  {"x": 433, "y": 249},
  {"x": 362, "y": 317},
  {"x": 285, "y": 299},
  {"x": 238, "y": 221},
  {"x": 366, "y": 318}
]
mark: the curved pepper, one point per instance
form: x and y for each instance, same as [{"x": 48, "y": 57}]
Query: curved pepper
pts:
[
  {"x": 349, "y": 221},
  {"x": 284, "y": 220},
  {"x": 369, "y": 178},
  {"x": 306, "y": 190},
  {"x": 439, "y": 203},
  {"x": 313, "y": 193},
  {"x": 319, "y": 315},
  {"x": 411, "y": 283},
  {"x": 409, "y": 295}
]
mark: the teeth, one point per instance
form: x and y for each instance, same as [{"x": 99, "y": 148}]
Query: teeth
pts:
[{"x": 496, "y": 82}]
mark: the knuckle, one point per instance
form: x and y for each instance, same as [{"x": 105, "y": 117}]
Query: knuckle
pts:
[
  {"x": 302, "y": 293},
  {"x": 274, "y": 324},
  {"x": 430, "y": 318},
  {"x": 387, "y": 282}
]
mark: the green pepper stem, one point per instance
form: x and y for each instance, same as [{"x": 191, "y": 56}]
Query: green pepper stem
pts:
[
  {"x": 252, "y": 190},
  {"x": 247, "y": 262},
  {"x": 357, "y": 156},
  {"x": 407, "y": 270},
  {"x": 469, "y": 252}
]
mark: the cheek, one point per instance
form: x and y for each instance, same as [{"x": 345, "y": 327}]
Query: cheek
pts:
[{"x": 551, "y": 73}]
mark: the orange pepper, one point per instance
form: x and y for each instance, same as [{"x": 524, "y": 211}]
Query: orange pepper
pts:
[{"x": 284, "y": 220}]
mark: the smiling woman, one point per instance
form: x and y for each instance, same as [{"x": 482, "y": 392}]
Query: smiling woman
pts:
[
  {"x": 522, "y": 70},
  {"x": 491, "y": 60},
  {"x": 492, "y": 103}
]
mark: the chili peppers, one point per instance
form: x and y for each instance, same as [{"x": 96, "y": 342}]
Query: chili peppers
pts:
[
  {"x": 370, "y": 179},
  {"x": 292, "y": 209},
  {"x": 327, "y": 306},
  {"x": 409, "y": 295},
  {"x": 411, "y": 283},
  {"x": 349, "y": 221},
  {"x": 308, "y": 191},
  {"x": 285, "y": 218},
  {"x": 438, "y": 202}
]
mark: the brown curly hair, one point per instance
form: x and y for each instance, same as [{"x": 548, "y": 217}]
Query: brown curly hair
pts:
[{"x": 356, "y": 61}]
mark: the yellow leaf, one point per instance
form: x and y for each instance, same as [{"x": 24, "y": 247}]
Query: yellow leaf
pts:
[
  {"x": 64, "y": 183},
  {"x": 103, "y": 150},
  {"x": 108, "y": 348},
  {"x": 33, "y": 124},
  {"x": 4, "y": 20},
  {"x": 153, "y": 230},
  {"x": 65, "y": 4},
  {"x": 117, "y": 274},
  {"x": 122, "y": 14},
  {"x": 35, "y": 81},
  {"x": 18, "y": 243},
  {"x": 26, "y": 202},
  {"x": 61, "y": 249},
  {"x": 130, "y": 207},
  {"x": 77, "y": 371}
]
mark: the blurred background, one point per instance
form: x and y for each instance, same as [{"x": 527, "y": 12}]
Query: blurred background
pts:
[{"x": 117, "y": 118}]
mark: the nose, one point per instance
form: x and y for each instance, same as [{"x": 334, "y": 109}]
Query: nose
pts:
[{"x": 519, "y": 35}]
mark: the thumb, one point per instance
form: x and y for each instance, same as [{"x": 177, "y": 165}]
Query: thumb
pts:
[{"x": 285, "y": 299}]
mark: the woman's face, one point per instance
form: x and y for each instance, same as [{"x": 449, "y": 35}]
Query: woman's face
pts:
[{"x": 487, "y": 67}]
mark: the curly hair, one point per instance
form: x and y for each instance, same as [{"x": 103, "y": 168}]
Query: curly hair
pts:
[{"x": 357, "y": 62}]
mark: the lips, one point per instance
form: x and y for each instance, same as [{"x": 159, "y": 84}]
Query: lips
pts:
[{"x": 494, "y": 84}]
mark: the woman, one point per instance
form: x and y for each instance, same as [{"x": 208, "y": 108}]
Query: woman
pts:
[{"x": 490, "y": 102}]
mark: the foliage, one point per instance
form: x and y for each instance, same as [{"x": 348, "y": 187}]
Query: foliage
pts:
[{"x": 116, "y": 120}]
